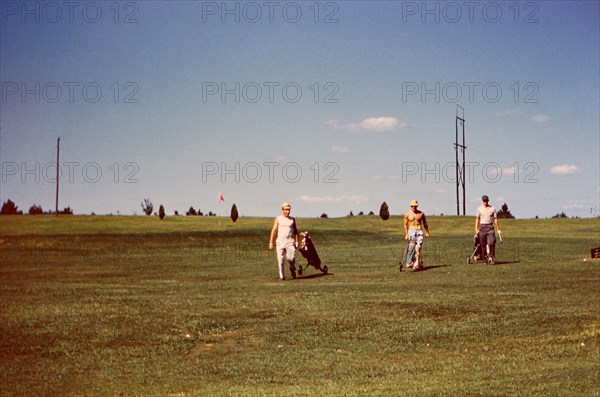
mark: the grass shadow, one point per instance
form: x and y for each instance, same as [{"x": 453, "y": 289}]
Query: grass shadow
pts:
[
  {"x": 482, "y": 262},
  {"x": 314, "y": 275},
  {"x": 426, "y": 268},
  {"x": 506, "y": 263}
]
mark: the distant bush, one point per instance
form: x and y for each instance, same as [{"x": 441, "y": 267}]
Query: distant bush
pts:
[
  {"x": 66, "y": 211},
  {"x": 384, "y": 211},
  {"x": 35, "y": 210},
  {"x": 504, "y": 212},
  {"x": 10, "y": 208},
  {"x": 234, "y": 213},
  {"x": 161, "y": 212}
]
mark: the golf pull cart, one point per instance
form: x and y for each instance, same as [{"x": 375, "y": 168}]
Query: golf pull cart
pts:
[
  {"x": 308, "y": 251},
  {"x": 480, "y": 253},
  {"x": 409, "y": 256}
]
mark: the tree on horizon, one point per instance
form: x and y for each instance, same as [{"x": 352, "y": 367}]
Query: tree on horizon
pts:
[
  {"x": 384, "y": 211},
  {"x": 234, "y": 213},
  {"x": 505, "y": 212}
]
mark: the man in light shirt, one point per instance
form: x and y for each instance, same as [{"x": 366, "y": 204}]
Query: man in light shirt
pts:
[
  {"x": 284, "y": 235},
  {"x": 485, "y": 221}
]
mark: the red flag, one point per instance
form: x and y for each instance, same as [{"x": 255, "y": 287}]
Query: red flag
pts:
[{"x": 221, "y": 198}]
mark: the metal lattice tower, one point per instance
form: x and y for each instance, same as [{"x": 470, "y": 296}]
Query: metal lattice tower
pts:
[{"x": 460, "y": 167}]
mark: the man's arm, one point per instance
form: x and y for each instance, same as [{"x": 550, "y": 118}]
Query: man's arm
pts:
[
  {"x": 425, "y": 225},
  {"x": 296, "y": 234},
  {"x": 477, "y": 223},
  {"x": 273, "y": 234},
  {"x": 496, "y": 223}
]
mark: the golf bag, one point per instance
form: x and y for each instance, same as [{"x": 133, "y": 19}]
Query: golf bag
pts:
[
  {"x": 480, "y": 251},
  {"x": 309, "y": 252},
  {"x": 409, "y": 256}
]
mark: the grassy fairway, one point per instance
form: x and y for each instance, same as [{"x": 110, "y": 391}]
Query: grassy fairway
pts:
[{"x": 135, "y": 306}]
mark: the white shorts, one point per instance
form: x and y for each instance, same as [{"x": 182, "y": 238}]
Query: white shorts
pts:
[
  {"x": 416, "y": 235},
  {"x": 285, "y": 249}
]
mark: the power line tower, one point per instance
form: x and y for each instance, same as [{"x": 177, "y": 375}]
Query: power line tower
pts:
[
  {"x": 460, "y": 167},
  {"x": 57, "y": 173}
]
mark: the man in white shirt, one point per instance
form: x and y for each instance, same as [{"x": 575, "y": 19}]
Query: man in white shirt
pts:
[
  {"x": 485, "y": 221},
  {"x": 285, "y": 234}
]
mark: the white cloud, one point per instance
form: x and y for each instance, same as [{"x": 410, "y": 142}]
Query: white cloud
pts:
[
  {"x": 339, "y": 149},
  {"x": 565, "y": 169},
  {"x": 540, "y": 118},
  {"x": 331, "y": 199},
  {"x": 382, "y": 124},
  {"x": 371, "y": 124}
]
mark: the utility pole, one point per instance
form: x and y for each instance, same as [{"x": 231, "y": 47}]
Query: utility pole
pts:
[
  {"x": 460, "y": 168},
  {"x": 57, "y": 172}
]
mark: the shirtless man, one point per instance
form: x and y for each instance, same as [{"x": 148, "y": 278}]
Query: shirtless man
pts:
[{"x": 414, "y": 223}]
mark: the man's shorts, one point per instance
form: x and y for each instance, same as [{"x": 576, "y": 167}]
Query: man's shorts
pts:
[
  {"x": 417, "y": 235},
  {"x": 486, "y": 234},
  {"x": 286, "y": 249}
]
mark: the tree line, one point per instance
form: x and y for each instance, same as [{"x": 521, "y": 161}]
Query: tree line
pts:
[
  {"x": 148, "y": 208},
  {"x": 10, "y": 208}
]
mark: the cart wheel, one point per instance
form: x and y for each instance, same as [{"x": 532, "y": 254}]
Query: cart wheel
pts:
[
  {"x": 325, "y": 269},
  {"x": 300, "y": 270},
  {"x": 469, "y": 260}
]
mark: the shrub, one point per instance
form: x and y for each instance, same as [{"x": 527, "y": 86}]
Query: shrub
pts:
[
  {"x": 234, "y": 213},
  {"x": 36, "y": 210},
  {"x": 384, "y": 211},
  {"x": 66, "y": 211},
  {"x": 10, "y": 208},
  {"x": 504, "y": 212}
]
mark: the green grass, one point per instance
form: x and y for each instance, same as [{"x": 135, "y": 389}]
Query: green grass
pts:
[{"x": 191, "y": 306}]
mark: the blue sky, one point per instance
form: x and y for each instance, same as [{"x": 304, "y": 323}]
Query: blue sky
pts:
[{"x": 334, "y": 106}]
